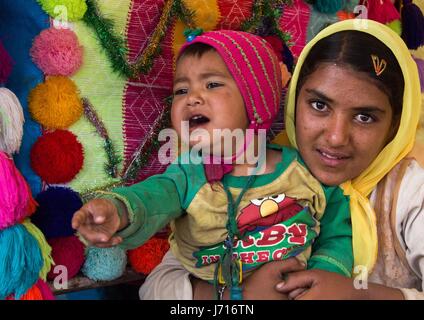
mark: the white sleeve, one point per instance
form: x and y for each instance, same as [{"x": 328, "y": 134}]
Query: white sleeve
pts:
[{"x": 410, "y": 222}]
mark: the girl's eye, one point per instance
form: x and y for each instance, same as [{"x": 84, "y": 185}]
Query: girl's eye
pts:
[
  {"x": 318, "y": 105},
  {"x": 212, "y": 85},
  {"x": 180, "y": 92},
  {"x": 365, "y": 118}
]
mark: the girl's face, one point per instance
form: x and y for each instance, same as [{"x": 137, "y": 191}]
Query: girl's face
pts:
[
  {"x": 343, "y": 121},
  {"x": 206, "y": 97}
]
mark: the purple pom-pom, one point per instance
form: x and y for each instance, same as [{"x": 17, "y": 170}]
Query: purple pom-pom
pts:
[{"x": 57, "y": 206}]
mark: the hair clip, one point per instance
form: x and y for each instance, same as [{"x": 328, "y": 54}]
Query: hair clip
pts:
[
  {"x": 191, "y": 34},
  {"x": 379, "y": 65}
]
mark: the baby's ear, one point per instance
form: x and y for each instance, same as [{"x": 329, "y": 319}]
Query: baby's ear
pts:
[{"x": 11, "y": 122}]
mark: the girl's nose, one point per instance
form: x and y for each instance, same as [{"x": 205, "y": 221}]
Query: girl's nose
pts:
[{"x": 338, "y": 132}]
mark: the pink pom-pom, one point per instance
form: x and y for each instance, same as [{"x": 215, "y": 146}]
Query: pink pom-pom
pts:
[
  {"x": 68, "y": 254},
  {"x": 16, "y": 201},
  {"x": 57, "y": 52},
  {"x": 5, "y": 64}
]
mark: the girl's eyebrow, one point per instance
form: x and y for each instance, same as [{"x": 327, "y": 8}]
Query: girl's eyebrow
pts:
[{"x": 319, "y": 95}]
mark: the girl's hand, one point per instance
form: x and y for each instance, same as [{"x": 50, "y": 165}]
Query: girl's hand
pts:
[
  {"x": 324, "y": 285},
  {"x": 97, "y": 221},
  {"x": 320, "y": 285},
  {"x": 261, "y": 284}
]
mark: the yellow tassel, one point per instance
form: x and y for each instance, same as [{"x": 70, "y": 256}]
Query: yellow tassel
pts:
[
  {"x": 44, "y": 247},
  {"x": 55, "y": 103}
]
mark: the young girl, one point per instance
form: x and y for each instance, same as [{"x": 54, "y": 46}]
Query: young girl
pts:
[
  {"x": 352, "y": 111},
  {"x": 225, "y": 220}
]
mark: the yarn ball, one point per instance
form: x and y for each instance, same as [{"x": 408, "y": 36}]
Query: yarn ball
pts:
[
  {"x": 329, "y": 6},
  {"x": 16, "y": 201},
  {"x": 6, "y": 63},
  {"x": 68, "y": 253},
  {"x": 104, "y": 264},
  {"x": 55, "y": 103},
  {"x": 64, "y": 10},
  {"x": 56, "y": 206},
  {"x": 420, "y": 65},
  {"x": 57, "y": 156},
  {"x": 11, "y": 122},
  {"x": 146, "y": 257},
  {"x": 57, "y": 52}
]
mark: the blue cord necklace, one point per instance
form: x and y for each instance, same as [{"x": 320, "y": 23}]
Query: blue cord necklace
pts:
[{"x": 228, "y": 271}]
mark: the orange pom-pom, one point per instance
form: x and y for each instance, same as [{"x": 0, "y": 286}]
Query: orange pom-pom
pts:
[
  {"x": 146, "y": 257},
  {"x": 33, "y": 293},
  {"x": 55, "y": 104}
]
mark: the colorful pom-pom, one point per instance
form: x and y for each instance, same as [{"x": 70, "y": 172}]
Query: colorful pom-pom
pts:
[
  {"x": 45, "y": 290},
  {"x": 56, "y": 206},
  {"x": 57, "y": 52},
  {"x": 64, "y": 10},
  {"x": 329, "y": 6},
  {"x": 16, "y": 201},
  {"x": 11, "y": 122},
  {"x": 420, "y": 65},
  {"x": 21, "y": 261},
  {"x": 146, "y": 257},
  {"x": 412, "y": 25},
  {"x": 57, "y": 156},
  {"x": 55, "y": 103},
  {"x": 104, "y": 264},
  {"x": 6, "y": 63},
  {"x": 68, "y": 253}
]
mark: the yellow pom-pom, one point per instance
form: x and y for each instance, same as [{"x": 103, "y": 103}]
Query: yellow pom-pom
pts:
[
  {"x": 55, "y": 103},
  {"x": 64, "y": 10}
]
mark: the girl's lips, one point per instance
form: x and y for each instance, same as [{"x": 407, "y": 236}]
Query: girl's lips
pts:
[{"x": 332, "y": 159}]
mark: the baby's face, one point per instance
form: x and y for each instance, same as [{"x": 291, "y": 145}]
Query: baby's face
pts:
[{"x": 206, "y": 101}]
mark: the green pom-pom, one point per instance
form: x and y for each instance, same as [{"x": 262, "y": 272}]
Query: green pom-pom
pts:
[
  {"x": 329, "y": 6},
  {"x": 396, "y": 26},
  {"x": 64, "y": 10}
]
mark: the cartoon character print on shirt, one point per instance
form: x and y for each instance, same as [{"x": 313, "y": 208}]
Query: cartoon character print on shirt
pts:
[{"x": 272, "y": 228}]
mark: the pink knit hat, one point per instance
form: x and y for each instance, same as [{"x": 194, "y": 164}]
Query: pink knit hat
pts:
[{"x": 255, "y": 68}]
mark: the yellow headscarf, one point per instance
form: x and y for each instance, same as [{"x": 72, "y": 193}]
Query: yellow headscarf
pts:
[{"x": 364, "y": 228}]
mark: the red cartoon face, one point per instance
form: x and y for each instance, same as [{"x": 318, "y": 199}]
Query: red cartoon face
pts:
[{"x": 267, "y": 211}]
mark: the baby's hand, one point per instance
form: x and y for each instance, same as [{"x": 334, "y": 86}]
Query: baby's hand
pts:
[{"x": 97, "y": 221}]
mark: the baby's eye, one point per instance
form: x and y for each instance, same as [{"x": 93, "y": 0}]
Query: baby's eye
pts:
[
  {"x": 365, "y": 118},
  {"x": 180, "y": 92},
  {"x": 318, "y": 105},
  {"x": 212, "y": 85}
]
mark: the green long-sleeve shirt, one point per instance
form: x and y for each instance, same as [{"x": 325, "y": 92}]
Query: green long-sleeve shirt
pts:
[{"x": 282, "y": 214}]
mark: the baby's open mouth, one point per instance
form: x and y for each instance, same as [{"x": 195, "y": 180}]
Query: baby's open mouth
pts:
[{"x": 197, "y": 120}]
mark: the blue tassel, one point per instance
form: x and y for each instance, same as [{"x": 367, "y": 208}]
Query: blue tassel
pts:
[
  {"x": 329, "y": 6},
  {"x": 20, "y": 261},
  {"x": 412, "y": 25}
]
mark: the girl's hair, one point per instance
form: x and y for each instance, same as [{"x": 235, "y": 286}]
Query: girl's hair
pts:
[
  {"x": 197, "y": 49},
  {"x": 354, "y": 49}
]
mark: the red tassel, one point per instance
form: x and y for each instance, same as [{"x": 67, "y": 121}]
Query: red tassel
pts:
[{"x": 383, "y": 11}]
